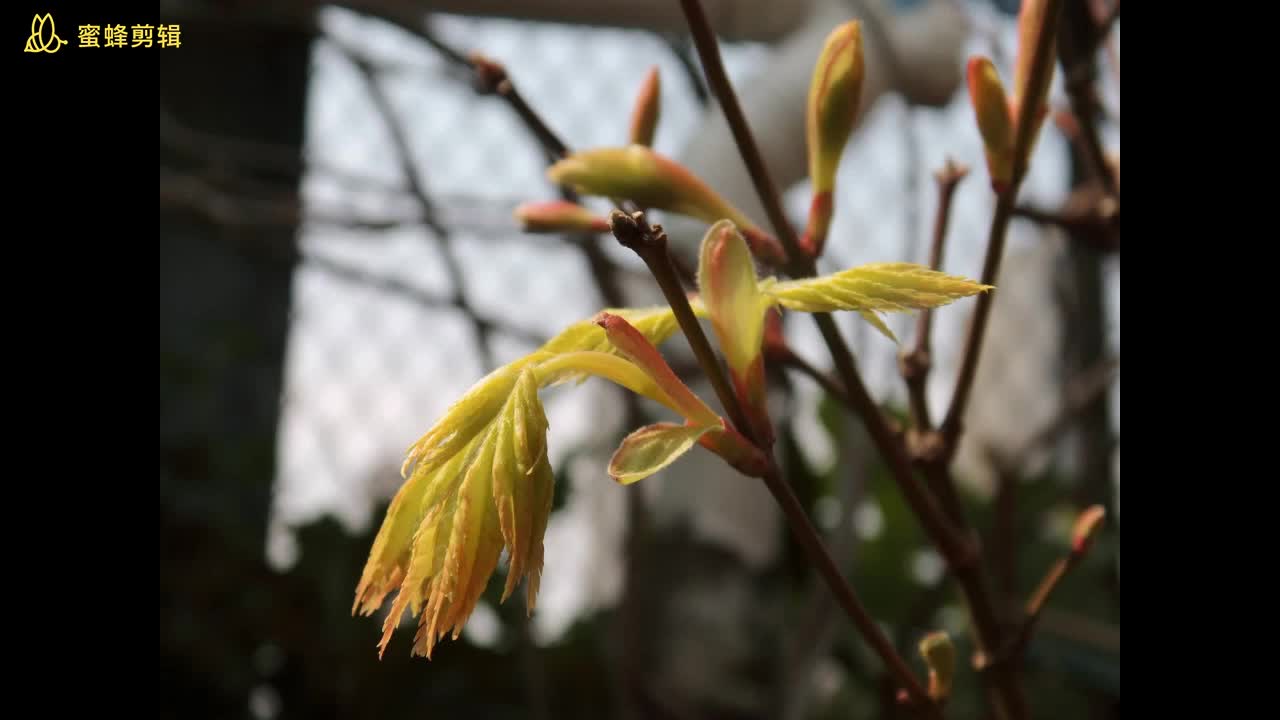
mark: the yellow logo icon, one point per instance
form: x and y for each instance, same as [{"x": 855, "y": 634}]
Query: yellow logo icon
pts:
[{"x": 38, "y": 42}]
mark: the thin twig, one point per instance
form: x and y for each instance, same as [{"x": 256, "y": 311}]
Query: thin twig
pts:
[
  {"x": 1004, "y": 537},
  {"x": 1080, "y": 545},
  {"x": 409, "y": 168},
  {"x": 808, "y": 537},
  {"x": 1088, "y": 226},
  {"x": 491, "y": 77},
  {"x": 916, "y": 363},
  {"x": 709, "y": 52},
  {"x": 680, "y": 48}
]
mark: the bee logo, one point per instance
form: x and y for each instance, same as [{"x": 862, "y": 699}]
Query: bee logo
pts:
[{"x": 38, "y": 42}]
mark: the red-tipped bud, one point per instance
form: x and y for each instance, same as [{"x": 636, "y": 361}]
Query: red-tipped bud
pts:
[
  {"x": 641, "y": 175},
  {"x": 991, "y": 110},
  {"x": 1032, "y": 16},
  {"x": 835, "y": 93},
  {"x": 558, "y": 216},
  {"x": 644, "y": 115}
]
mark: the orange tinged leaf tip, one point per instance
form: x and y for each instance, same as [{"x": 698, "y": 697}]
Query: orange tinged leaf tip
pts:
[
  {"x": 644, "y": 115},
  {"x": 558, "y": 216},
  {"x": 1086, "y": 527}
]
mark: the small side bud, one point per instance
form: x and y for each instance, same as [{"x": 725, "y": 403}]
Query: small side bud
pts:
[
  {"x": 951, "y": 173},
  {"x": 835, "y": 93},
  {"x": 490, "y": 73},
  {"x": 644, "y": 115},
  {"x": 940, "y": 655},
  {"x": 1086, "y": 527},
  {"x": 991, "y": 110},
  {"x": 559, "y": 216}
]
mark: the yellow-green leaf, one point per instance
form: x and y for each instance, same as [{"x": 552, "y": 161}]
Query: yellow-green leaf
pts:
[
  {"x": 881, "y": 287},
  {"x": 541, "y": 494},
  {"x": 521, "y": 446},
  {"x": 556, "y": 369},
  {"x": 389, "y": 560},
  {"x": 464, "y": 419},
  {"x": 652, "y": 448},
  {"x": 479, "y": 480},
  {"x": 657, "y": 324},
  {"x": 444, "y": 532}
]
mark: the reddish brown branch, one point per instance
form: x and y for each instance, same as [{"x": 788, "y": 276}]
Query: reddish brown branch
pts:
[
  {"x": 1026, "y": 125},
  {"x": 957, "y": 547},
  {"x": 650, "y": 243}
]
